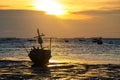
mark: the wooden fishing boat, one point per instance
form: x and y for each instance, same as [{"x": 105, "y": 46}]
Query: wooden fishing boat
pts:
[
  {"x": 97, "y": 40},
  {"x": 40, "y": 56}
]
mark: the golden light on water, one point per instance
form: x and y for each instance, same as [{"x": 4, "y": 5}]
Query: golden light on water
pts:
[{"x": 49, "y": 6}]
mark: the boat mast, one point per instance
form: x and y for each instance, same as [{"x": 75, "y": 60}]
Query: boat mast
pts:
[
  {"x": 50, "y": 42},
  {"x": 40, "y": 41}
]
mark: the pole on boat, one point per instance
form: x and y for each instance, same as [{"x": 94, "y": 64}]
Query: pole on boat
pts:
[
  {"x": 40, "y": 41},
  {"x": 50, "y": 43},
  {"x": 25, "y": 48}
]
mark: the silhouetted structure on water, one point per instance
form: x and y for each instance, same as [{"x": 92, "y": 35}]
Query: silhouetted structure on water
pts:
[
  {"x": 97, "y": 40},
  {"x": 39, "y": 56}
]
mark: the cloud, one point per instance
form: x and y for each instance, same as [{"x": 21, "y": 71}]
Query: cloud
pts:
[
  {"x": 80, "y": 5},
  {"x": 29, "y": 6},
  {"x": 98, "y": 12},
  {"x": 4, "y": 6},
  {"x": 23, "y": 23}
]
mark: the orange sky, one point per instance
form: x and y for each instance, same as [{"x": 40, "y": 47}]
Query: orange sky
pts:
[
  {"x": 61, "y": 18},
  {"x": 68, "y": 6}
]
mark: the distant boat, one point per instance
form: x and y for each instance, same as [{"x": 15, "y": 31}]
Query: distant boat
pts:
[
  {"x": 66, "y": 41},
  {"x": 94, "y": 40},
  {"x": 97, "y": 40},
  {"x": 31, "y": 40},
  {"x": 40, "y": 56},
  {"x": 81, "y": 39}
]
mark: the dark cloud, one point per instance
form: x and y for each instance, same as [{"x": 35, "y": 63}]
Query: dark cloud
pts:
[
  {"x": 4, "y": 6},
  {"x": 98, "y": 12},
  {"x": 109, "y": 8},
  {"x": 23, "y": 23}
]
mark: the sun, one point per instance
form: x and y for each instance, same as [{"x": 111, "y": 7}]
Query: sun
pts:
[{"x": 49, "y": 7}]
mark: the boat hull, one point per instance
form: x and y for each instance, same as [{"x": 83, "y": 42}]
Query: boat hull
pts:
[{"x": 40, "y": 57}]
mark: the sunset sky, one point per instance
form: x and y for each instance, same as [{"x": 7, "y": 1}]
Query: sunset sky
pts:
[{"x": 60, "y": 18}]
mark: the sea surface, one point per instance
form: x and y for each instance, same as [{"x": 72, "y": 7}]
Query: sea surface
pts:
[{"x": 71, "y": 50}]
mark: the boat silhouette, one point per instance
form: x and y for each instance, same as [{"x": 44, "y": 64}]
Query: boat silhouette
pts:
[
  {"x": 97, "y": 40},
  {"x": 38, "y": 55}
]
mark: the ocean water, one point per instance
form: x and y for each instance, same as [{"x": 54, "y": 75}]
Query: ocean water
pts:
[{"x": 74, "y": 50}]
